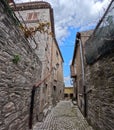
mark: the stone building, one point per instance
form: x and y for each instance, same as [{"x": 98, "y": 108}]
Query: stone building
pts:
[
  {"x": 68, "y": 92},
  {"x": 26, "y": 80},
  {"x": 34, "y": 15},
  {"x": 20, "y": 69},
  {"x": 57, "y": 74},
  {"x": 77, "y": 67},
  {"x": 98, "y": 85}
]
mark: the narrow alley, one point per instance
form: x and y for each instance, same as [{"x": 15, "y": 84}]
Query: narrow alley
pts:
[
  {"x": 65, "y": 116},
  {"x": 56, "y": 65}
]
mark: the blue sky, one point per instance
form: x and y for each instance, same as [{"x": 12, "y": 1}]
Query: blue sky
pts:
[
  {"x": 71, "y": 16},
  {"x": 67, "y": 51}
]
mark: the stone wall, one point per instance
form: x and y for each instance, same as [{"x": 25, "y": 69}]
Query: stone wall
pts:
[
  {"x": 20, "y": 68},
  {"x": 43, "y": 40},
  {"x": 100, "y": 93}
]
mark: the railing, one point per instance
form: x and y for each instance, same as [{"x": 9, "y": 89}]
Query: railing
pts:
[{"x": 32, "y": 98}]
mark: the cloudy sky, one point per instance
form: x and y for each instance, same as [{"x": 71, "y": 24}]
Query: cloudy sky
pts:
[{"x": 70, "y": 17}]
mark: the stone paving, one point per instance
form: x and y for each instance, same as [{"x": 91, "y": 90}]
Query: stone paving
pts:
[{"x": 65, "y": 116}]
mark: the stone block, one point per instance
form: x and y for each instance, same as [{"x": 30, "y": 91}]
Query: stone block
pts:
[
  {"x": 11, "y": 118},
  {"x": 100, "y": 101},
  {"x": 9, "y": 108},
  {"x": 15, "y": 125}
]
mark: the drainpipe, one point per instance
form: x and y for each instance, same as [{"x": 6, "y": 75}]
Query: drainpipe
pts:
[
  {"x": 31, "y": 107},
  {"x": 83, "y": 72},
  {"x": 82, "y": 60}
]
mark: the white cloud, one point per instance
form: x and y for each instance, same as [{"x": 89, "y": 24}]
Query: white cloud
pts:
[
  {"x": 70, "y": 62},
  {"x": 75, "y": 13},
  {"x": 61, "y": 32},
  {"x": 67, "y": 81}
]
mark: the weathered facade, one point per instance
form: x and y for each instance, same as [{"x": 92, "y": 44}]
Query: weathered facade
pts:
[
  {"x": 98, "y": 84},
  {"x": 20, "y": 69},
  {"x": 100, "y": 93},
  {"x": 99, "y": 73},
  {"x": 57, "y": 74},
  {"x": 27, "y": 64},
  {"x": 33, "y": 14},
  {"x": 68, "y": 92},
  {"x": 77, "y": 68}
]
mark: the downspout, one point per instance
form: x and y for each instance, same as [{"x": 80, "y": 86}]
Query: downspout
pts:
[
  {"x": 31, "y": 107},
  {"x": 82, "y": 60},
  {"x": 83, "y": 73}
]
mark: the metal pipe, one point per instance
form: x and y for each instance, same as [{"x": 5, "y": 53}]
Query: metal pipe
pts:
[
  {"x": 82, "y": 59},
  {"x": 83, "y": 77},
  {"x": 31, "y": 107},
  {"x": 85, "y": 102}
]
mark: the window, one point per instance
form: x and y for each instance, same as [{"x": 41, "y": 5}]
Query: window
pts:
[
  {"x": 71, "y": 95},
  {"x": 57, "y": 54},
  {"x": 46, "y": 47},
  {"x": 65, "y": 95},
  {"x": 54, "y": 88}
]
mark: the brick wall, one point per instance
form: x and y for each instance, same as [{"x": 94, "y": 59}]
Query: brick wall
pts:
[
  {"x": 16, "y": 79},
  {"x": 100, "y": 96}
]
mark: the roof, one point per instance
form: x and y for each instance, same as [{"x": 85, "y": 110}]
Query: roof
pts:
[
  {"x": 32, "y": 5},
  {"x": 82, "y": 34}
]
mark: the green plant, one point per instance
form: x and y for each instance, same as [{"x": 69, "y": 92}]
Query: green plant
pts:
[
  {"x": 41, "y": 27},
  {"x": 16, "y": 59}
]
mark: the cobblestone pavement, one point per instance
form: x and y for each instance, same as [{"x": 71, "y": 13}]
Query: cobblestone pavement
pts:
[{"x": 64, "y": 116}]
